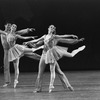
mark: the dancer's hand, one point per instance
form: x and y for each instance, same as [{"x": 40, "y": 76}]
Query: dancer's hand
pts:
[
  {"x": 28, "y": 43},
  {"x": 81, "y": 39},
  {"x": 31, "y": 29},
  {"x": 34, "y": 45},
  {"x": 74, "y": 36},
  {"x": 34, "y": 37},
  {"x": 25, "y": 43}
]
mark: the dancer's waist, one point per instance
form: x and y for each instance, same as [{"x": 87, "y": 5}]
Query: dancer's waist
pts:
[
  {"x": 5, "y": 46},
  {"x": 46, "y": 48}
]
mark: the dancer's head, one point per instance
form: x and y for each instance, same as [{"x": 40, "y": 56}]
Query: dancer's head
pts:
[
  {"x": 13, "y": 27},
  {"x": 51, "y": 29},
  {"x": 8, "y": 27}
]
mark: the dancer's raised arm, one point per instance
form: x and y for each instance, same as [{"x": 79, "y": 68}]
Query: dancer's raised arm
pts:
[
  {"x": 24, "y": 31},
  {"x": 3, "y": 32}
]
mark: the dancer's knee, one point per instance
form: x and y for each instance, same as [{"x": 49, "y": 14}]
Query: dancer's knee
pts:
[{"x": 6, "y": 68}]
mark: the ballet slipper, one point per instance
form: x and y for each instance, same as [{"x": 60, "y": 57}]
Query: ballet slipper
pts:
[
  {"x": 15, "y": 83},
  {"x": 51, "y": 87},
  {"x": 82, "y": 48},
  {"x": 37, "y": 90},
  {"x": 6, "y": 84},
  {"x": 70, "y": 88}
]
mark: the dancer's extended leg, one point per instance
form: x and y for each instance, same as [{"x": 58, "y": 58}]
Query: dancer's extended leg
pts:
[
  {"x": 52, "y": 78},
  {"x": 63, "y": 78},
  {"x": 74, "y": 52},
  {"x": 16, "y": 67},
  {"x": 33, "y": 56}
]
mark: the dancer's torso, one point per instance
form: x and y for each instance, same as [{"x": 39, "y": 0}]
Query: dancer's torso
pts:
[
  {"x": 11, "y": 39},
  {"x": 49, "y": 42},
  {"x": 4, "y": 42}
]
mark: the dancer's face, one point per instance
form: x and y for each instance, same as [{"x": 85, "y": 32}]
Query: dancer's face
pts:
[
  {"x": 51, "y": 29},
  {"x": 8, "y": 27},
  {"x": 13, "y": 28}
]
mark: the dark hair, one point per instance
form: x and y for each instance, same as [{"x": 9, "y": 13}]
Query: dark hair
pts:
[
  {"x": 7, "y": 24},
  {"x": 14, "y": 25},
  {"x": 52, "y": 26}
]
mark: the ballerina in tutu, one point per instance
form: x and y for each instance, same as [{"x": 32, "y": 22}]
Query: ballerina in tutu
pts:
[
  {"x": 16, "y": 51},
  {"x": 6, "y": 50},
  {"x": 52, "y": 53}
]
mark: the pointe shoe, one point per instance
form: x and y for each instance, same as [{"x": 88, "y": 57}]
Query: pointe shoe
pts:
[
  {"x": 6, "y": 84},
  {"x": 42, "y": 47},
  {"x": 51, "y": 88},
  {"x": 33, "y": 49},
  {"x": 70, "y": 88},
  {"x": 15, "y": 83},
  {"x": 37, "y": 90},
  {"x": 82, "y": 48}
]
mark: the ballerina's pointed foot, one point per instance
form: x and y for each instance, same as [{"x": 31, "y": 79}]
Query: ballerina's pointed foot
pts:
[
  {"x": 70, "y": 88},
  {"x": 6, "y": 84},
  {"x": 33, "y": 49},
  {"x": 15, "y": 83},
  {"x": 37, "y": 90},
  {"x": 51, "y": 88},
  {"x": 42, "y": 47},
  {"x": 82, "y": 47}
]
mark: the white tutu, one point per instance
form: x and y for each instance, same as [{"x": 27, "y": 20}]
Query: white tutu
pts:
[
  {"x": 55, "y": 53},
  {"x": 15, "y": 52}
]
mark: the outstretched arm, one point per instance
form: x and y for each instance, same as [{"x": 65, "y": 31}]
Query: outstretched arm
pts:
[
  {"x": 3, "y": 32},
  {"x": 33, "y": 56},
  {"x": 65, "y": 36},
  {"x": 70, "y": 41},
  {"x": 22, "y": 37},
  {"x": 24, "y": 31},
  {"x": 37, "y": 44},
  {"x": 36, "y": 40}
]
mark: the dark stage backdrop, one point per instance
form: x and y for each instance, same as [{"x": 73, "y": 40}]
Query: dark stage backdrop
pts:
[{"x": 79, "y": 17}]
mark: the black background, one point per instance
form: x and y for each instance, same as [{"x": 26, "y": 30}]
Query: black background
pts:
[{"x": 79, "y": 17}]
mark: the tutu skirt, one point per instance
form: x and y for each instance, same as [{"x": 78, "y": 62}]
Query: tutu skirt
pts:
[
  {"x": 55, "y": 54},
  {"x": 15, "y": 52}
]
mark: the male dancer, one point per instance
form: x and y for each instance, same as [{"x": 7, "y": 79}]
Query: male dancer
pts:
[{"x": 6, "y": 49}]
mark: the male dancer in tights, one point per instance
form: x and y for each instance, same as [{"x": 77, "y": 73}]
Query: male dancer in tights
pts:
[{"x": 5, "y": 45}]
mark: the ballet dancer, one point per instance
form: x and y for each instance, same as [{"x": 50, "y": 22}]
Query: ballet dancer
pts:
[
  {"x": 7, "y": 79},
  {"x": 6, "y": 49},
  {"x": 16, "y": 51},
  {"x": 51, "y": 53}
]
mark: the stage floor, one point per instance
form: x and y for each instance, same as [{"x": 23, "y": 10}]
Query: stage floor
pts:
[{"x": 85, "y": 83}]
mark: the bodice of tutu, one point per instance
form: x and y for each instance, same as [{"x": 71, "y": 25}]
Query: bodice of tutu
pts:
[
  {"x": 11, "y": 39},
  {"x": 49, "y": 42}
]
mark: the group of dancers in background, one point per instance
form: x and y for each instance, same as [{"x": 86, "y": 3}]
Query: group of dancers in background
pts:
[{"x": 50, "y": 55}]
